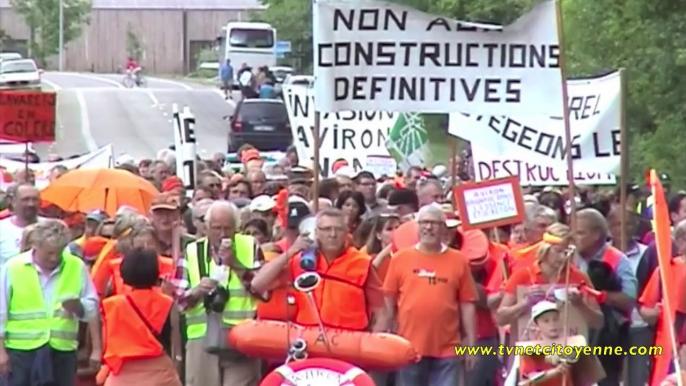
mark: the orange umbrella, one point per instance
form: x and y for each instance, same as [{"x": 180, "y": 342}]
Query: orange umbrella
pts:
[{"x": 84, "y": 190}]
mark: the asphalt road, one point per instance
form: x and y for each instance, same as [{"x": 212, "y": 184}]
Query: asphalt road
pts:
[{"x": 95, "y": 110}]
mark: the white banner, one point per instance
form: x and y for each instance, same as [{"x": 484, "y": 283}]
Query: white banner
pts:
[
  {"x": 488, "y": 165},
  {"x": 375, "y": 55},
  {"x": 595, "y": 118},
  {"x": 99, "y": 159},
  {"x": 185, "y": 144},
  {"x": 349, "y": 136}
]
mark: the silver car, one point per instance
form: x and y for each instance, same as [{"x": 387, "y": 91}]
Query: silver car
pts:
[{"x": 20, "y": 75}]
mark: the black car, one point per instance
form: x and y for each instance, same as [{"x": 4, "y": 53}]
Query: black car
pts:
[{"x": 262, "y": 123}]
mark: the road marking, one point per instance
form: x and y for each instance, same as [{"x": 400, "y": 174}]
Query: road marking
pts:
[
  {"x": 95, "y": 77},
  {"x": 50, "y": 84},
  {"x": 187, "y": 87},
  {"x": 153, "y": 98},
  {"x": 85, "y": 123},
  {"x": 230, "y": 101}
]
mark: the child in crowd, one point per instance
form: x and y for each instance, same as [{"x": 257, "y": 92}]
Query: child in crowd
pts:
[{"x": 540, "y": 369}]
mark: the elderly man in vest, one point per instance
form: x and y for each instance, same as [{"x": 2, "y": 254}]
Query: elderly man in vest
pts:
[
  {"x": 222, "y": 263},
  {"x": 45, "y": 292},
  {"x": 592, "y": 234},
  {"x": 350, "y": 290}
]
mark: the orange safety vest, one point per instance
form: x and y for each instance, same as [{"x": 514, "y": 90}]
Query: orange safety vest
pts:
[
  {"x": 165, "y": 266},
  {"x": 125, "y": 334},
  {"x": 612, "y": 256},
  {"x": 281, "y": 304},
  {"x": 340, "y": 297}
]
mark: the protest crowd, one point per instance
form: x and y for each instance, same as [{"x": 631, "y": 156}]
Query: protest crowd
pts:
[
  {"x": 420, "y": 275},
  {"x": 246, "y": 270}
]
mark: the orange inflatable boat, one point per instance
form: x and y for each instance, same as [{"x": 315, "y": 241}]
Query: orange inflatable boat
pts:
[{"x": 372, "y": 351}]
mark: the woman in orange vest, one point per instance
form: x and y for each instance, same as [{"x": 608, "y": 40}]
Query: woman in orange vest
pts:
[
  {"x": 137, "y": 328},
  {"x": 108, "y": 279}
]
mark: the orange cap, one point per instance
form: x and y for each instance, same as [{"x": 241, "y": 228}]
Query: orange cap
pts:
[{"x": 474, "y": 246}]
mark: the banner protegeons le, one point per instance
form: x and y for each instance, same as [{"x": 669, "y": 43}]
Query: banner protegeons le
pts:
[
  {"x": 349, "y": 135},
  {"x": 375, "y": 55},
  {"x": 595, "y": 118}
]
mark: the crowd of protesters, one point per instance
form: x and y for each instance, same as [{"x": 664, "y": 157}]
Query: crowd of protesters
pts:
[{"x": 468, "y": 298}]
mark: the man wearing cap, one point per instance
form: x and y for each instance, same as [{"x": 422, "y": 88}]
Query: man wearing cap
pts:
[
  {"x": 92, "y": 222},
  {"x": 263, "y": 207}
]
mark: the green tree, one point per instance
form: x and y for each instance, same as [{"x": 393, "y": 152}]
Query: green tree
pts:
[
  {"x": 134, "y": 44},
  {"x": 42, "y": 19},
  {"x": 647, "y": 39},
  {"x": 293, "y": 22}
]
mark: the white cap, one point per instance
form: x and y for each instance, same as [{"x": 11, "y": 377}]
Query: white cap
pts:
[
  {"x": 542, "y": 307},
  {"x": 125, "y": 159},
  {"x": 439, "y": 171},
  {"x": 262, "y": 203},
  {"x": 346, "y": 171}
]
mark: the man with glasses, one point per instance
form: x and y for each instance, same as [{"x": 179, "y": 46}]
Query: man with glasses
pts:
[{"x": 349, "y": 291}]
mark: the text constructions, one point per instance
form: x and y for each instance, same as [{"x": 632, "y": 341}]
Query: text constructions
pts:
[
  {"x": 27, "y": 116},
  {"x": 392, "y": 58}
]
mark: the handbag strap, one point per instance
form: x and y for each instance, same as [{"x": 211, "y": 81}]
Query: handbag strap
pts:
[
  {"x": 202, "y": 258},
  {"x": 144, "y": 319}
]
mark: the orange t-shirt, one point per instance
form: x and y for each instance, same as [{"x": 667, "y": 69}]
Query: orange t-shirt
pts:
[
  {"x": 652, "y": 293},
  {"x": 534, "y": 364},
  {"x": 533, "y": 275},
  {"x": 429, "y": 290}
]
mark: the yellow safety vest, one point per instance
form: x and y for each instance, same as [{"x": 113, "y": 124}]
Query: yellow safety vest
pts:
[
  {"x": 240, "y": 306},
  {"x": 30, "y": 324}
]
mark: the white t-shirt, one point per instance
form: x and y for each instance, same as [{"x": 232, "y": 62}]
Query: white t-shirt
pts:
[
  {"x": 245, "y": 79},
  {"x": 10, "y": 239}
]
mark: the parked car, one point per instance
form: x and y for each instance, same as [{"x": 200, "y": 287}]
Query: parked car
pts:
[
  {"x": 10, "y": 56},
  {"x": 262, "y": 123},
  {"x": 20, "y": 74}
]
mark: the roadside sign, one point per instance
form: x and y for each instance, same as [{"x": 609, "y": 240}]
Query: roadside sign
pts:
[{"x": 283, "y": 47}]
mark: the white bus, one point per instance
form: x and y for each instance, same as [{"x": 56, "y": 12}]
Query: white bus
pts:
[{"x": 250, "y": 43}]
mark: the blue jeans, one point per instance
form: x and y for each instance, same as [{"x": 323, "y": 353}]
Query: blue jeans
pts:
[
  {"x": 63, "y": 367},
  {"x": 431, "y": 372}
]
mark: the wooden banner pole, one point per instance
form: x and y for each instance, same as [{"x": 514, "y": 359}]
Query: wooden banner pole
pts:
[{"x": 624, "y": 159}]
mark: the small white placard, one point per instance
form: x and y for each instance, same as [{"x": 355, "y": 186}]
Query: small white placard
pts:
[
  {"x": 490, "y": 203},
  {"x": 380, "y": 165}
]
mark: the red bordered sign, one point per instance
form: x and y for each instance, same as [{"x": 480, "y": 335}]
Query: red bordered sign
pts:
[
  {"x": 27, "y": 116},
  {"x": 490, "y": 203},
  {"x": 318, "y": 371}
]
